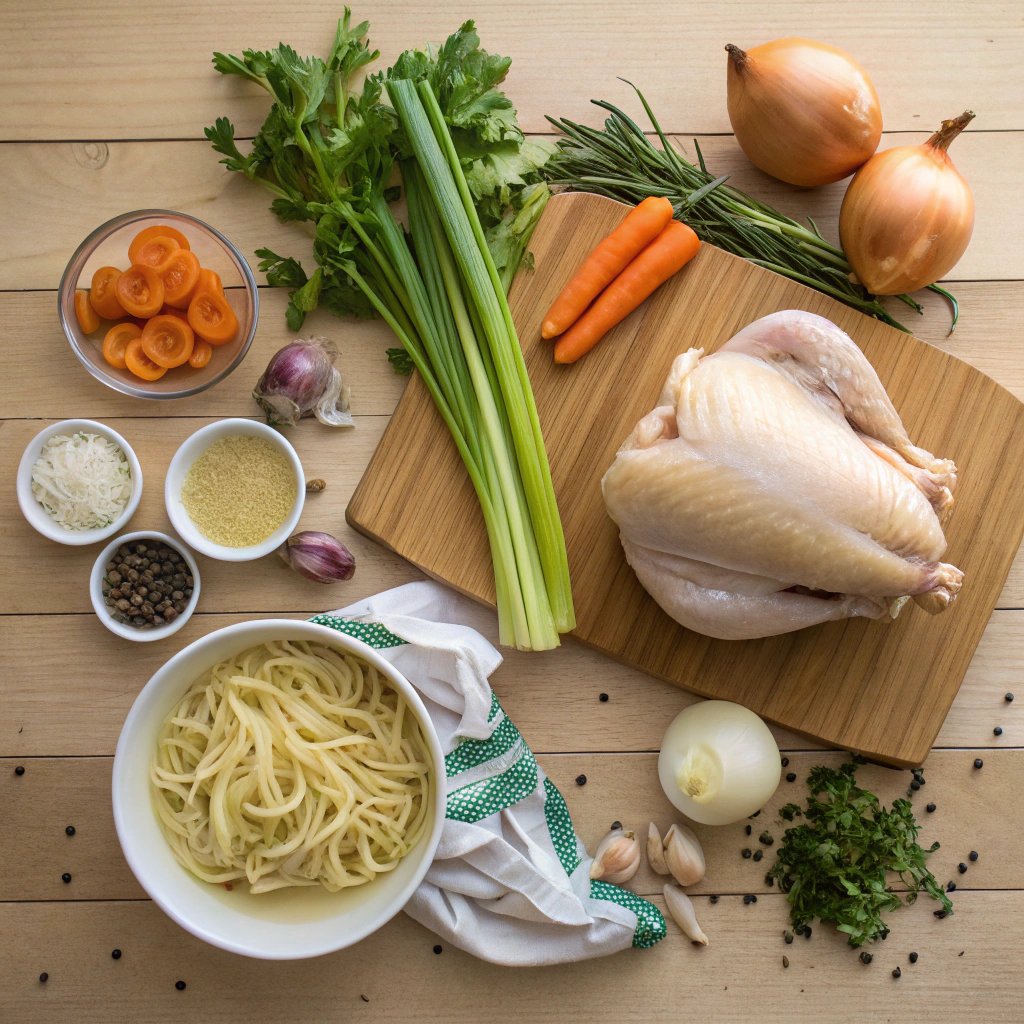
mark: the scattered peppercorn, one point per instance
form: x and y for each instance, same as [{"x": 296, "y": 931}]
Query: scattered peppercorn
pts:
[
  {"x": 180, "y": 986},
  {"x": 978, "y": 762},
  {"x": 70, "y": 830},
  {"x": 788, "y": 936},
  {"x": 603, "y": 698},
  {"x": 951, "y": 887},
  {"x": 791, "y": 776},
  {"x": 758, "y": 854},
  {"x": 896, "y": 972},
  {"x": 962, "y": 868},
  {"x": 785, "y": 762},
  {"x": 581, "y": 780},
  {"x": 940, "y": 914},
  {"x": 754, "y": 815},
  {"x": 750, "y": 898},
  {"x": 712, "y": 899},
  {"x": 745, "y": 853},
  {"x": 929, "y": 808},
  {"x": 43, "y": 977},
  {"x": 866, "y": 957},
  {"x": 915, "y": 784},
  {"x": 913, "y": 958},
  {"x": 65, "y": 878},
  {"x": 1008, "y": 698},
  {"x": 20, "y": 770},
  {"x": 961, "y": 953},
  {"x": 769, "y": 881},
  {"x": 616, "y": 825},
  {"x": 785, "y": 961},
  {"x": 748, "y": 829},
  {"x": 807, "y": 931},
  {"x": 766, "y": 838},
  {"x": 997, "y": 731},
  {"x": 973, "y": 855},
  {"x": 437, "y": 949}
]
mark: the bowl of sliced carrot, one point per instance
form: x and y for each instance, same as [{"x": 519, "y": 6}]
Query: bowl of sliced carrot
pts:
[{"x": 157, "y": 304}]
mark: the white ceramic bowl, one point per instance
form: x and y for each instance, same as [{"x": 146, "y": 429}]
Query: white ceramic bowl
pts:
[
  {"x": 287, "y": 924},
  {"x": 99, "y": 570},
  {"x": 36, "y": 514},
  {"x": 179, "y": 467}
]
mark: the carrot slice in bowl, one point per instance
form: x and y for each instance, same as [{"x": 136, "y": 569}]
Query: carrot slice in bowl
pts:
[
  {"x": 180, "y": 275},
  {"x": 103, "y": 294},
  {"x": 140, "y": 290},
  {"x": 116, "y": 342},
  {"x": 209, "y": 279},
  {"x": 201, "y": 354},
  {"x": 156, "y": 231},
  {"x": 157, "y": 252},
  {"x": 211, "y": 317},
  {"x": 181, "y": 314},
  {"x": 88, "y": 318},
  {"x": 167, "y": 341},
  {"x": 139, "y": 363}
]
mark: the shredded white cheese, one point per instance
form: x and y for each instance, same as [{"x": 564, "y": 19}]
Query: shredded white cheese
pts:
[{"x": 83, "y": 482}]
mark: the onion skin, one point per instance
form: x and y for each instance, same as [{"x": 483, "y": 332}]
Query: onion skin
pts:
[
  {"x": 908, "y": 215},
  {"x": 804, "y": 112}
]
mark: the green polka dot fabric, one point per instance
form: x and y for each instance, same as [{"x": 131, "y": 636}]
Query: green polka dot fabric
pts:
[
  {"x": 650, "y": 924},
  {"x": 371, "y": 633},
  {"x": 470, "y": 753},
  {"x": 563, "y": 837},
  {"x": 480, "y": 800}
]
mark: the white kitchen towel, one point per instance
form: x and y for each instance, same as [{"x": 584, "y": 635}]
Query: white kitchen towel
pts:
[{"x": 511, "y": 881}]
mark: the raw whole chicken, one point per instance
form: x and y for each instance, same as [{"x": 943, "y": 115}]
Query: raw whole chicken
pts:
[{"x": 774, "y": 487}]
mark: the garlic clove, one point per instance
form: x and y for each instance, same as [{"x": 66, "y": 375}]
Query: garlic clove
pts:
[
  {"x": 684, "y": 857},
  {"x": 656, "y": 850},
  {"x": 681, "y": 909},
  {"x": 617, "y": 857}
]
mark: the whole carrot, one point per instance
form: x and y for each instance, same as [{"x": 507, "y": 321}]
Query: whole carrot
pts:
[
  {"x": 641, "y": 226},
  {"x": 667, "y": 254}
]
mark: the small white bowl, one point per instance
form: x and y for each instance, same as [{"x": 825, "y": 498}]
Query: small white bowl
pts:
[
  {"x": 182, "y": 462},
  {"x": 99, "y": 570},
  {"x": 287, "y": 924},
  {"x": 37, "y": 515}
]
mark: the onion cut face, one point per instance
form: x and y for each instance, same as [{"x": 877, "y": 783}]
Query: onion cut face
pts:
[
  {"x": 908, "y": 215},
  {"x": 804, "y": 112}
]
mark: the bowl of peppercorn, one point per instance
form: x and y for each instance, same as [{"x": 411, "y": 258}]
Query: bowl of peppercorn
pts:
[{"x": 144, "y": 586}]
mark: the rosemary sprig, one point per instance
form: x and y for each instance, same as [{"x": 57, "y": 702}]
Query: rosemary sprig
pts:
[{"x": 622, "y": 163}]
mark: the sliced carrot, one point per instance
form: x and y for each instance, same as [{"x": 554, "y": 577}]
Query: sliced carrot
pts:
[
  {"x": 88, "y": 318},
  {"x": 103, "y": 294},
  {"x": 201, "y": 354},
  {"x": 666, "y": 255},
  {"x": 154, "y": 232},
  {"x": 140, "y": 291},
  {"x": 611, "y": 256},
  {"x": 139, "y": 363},
  {"x": 209, "y": 279},
  {"x": 116, "y": 343},
  {"x": 157, "y": 252},
  {"x": 181, "y": 314},
  {"x": 211, "y": 317},
  {"x": 167, "y": 341},
  {"x": 180, "y": 276}
]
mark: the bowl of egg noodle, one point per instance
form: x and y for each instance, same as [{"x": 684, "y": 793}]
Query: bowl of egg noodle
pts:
[{"x": 279, "y": 789}]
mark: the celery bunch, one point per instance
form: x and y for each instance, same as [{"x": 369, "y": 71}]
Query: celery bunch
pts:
[{"x": 328, "y": 154}]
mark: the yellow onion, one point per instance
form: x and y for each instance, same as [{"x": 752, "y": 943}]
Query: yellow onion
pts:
[
  {"x": 908, "y": 215},
  {"x": 804, "y": 112}
]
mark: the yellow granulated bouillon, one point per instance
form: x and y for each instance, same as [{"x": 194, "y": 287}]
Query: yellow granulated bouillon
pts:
[{"x": 239, "y": 491}]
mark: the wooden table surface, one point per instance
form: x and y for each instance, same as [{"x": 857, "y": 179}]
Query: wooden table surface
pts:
[{"x": 104, "y": 103}]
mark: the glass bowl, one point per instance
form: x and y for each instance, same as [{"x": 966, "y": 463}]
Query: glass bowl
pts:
[{"x": 108, "y": 246}]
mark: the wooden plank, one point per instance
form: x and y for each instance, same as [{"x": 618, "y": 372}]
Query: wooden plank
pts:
[
  {"x": 51, "y": 709},
  {"x": 336, "y": 455},
  {"x": 563, "y": 54},
  {"x": 54, "y": 194},
  {"x": 880, "y": 688},
  {"x": 974, "y": 810},
  {"x": 394, "y": 976}
]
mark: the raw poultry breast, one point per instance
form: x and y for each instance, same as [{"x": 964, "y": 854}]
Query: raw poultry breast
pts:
[{"x": 774, "y": 487}]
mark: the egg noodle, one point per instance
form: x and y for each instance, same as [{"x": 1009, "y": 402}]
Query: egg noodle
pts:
[{"x": 291, "y": 764}]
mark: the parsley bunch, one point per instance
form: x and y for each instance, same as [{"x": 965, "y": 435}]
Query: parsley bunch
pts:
[{"x": 835, "y": 866}]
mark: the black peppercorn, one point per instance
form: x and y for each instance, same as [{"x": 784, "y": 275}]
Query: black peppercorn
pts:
[
  {"x": 750, "y": 898},
  {"x": 769, "y": 880},
  {"x": 791, "y": 776},
  {"x": 20, "y": 770},
  {"x": 896, "y": 972},
  {"x": 758, "y": 854},
  {"x": 43, "y": 977},
  {"x": 973, "y": 855},
  {"x": 866, "y": 957},
  {"x": 180, "y": 986},
  {"x": 437, "y": 949},
  {"x": 748, "y": 830},
  {"x": 807, "y": 931},
  {"x": 788, "y": 936},
  {"x": 978, "y": 762},
  {"x": 712, "y": 899},
  {"x": 785, "y": 762},
  {"x": 70, "y": 830},
  {"x": 766, "y": 838},
  {"x": 581, "y": 780},
  {"x": 962, "y": 868},
  {"x": 913, "y": 958},
  {"x": 745, "y": 853},
  {"x": 915, "y": 784},
  {"x": 754, "y": 815},
  {"x": 929, "y": 808},
  {"x": 616, "y": 825},
  {"x": 603, "y": 698},
  {"x": 940, "y": 914},
  {"x": 66, "y": 877},
  {"x": 951, "y": 887},
  {"x": 116, "y": 954},
  {"x": 997, "y": 731},
  {"x": 785, "y": 961},
  {"x": 1008, "y": 698}
]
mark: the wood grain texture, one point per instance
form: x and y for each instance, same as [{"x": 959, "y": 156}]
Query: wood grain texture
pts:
[
  {"x": 880, "y": 688},
  {"x": 553, "y": 697},
  {"x": 54, "y": 194},
  {"x": 738, "y": 978},
  {"x": 55, "y": 792}
]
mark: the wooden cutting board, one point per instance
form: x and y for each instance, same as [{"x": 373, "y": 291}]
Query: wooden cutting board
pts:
[{"x": 881, "y": 689}]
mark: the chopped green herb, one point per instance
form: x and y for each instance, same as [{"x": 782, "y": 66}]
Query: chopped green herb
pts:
[{"x": 834, "y": 867}]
